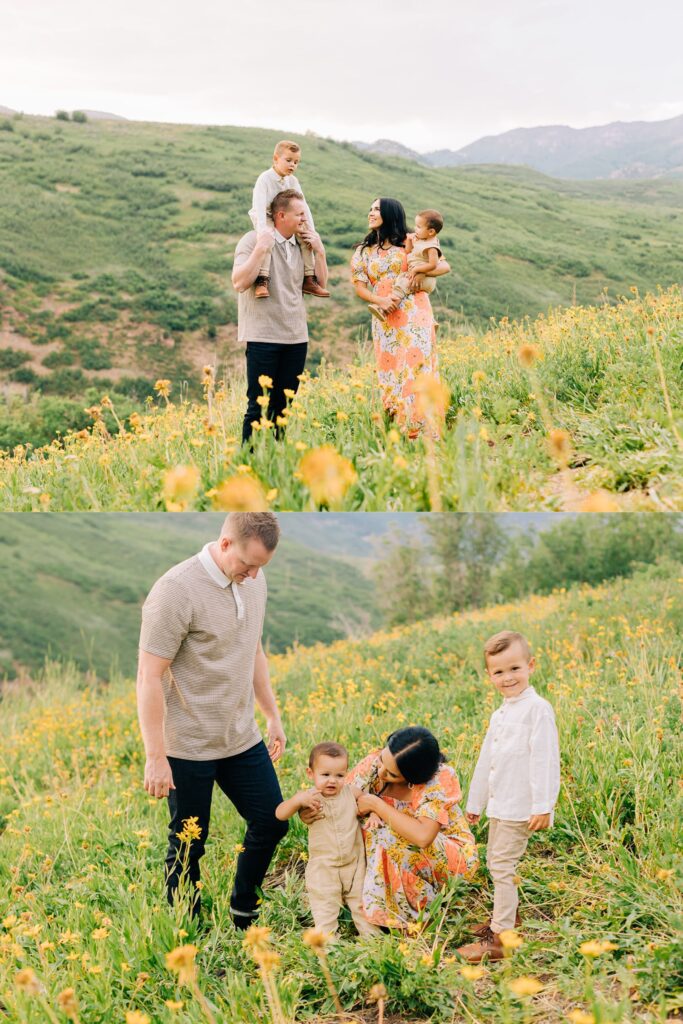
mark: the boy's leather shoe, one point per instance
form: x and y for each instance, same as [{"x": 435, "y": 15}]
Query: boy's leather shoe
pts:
[
  {"x": 311, "y": 287},
  {"x": 377, "y": 312},
  {"x": 479, "y": 929},
  {"x": 489, "y": 945},
  {"x": 261, "y": 288}
]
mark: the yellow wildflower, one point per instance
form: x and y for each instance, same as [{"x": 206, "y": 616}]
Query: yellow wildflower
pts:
[
  {"x": 510, "y": 939},
  {"x": 68, "y": 1003},
  {"x": 327, "y": 474},
  {"x": 163, "y": 388},
  {"x": 596, "y": 947},
  {"x": 316, "y": 938},
  {"x": 136, "y": 1017},
  {"x": 265, "y": 381},
  {"x": 27, "y": 981},
  {"x": 470, "y": 972},
  {"x": 182, "y": 961},
  {"x": 180, "y": 487},
  {"x": 191, "y": 830},
  {"x": 525, "y": 986},
  {"x": 528, "y": 354},
  {"x": 240, "y": 494},
  {"x": 580, "y": 1017}
]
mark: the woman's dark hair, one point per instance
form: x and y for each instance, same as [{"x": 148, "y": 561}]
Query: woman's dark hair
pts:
[
  {"x": 393, "y": 227},
  {"x": 416, "y": 752}
]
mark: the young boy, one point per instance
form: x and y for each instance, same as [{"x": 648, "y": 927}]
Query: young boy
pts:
[
  {"x": 276, "y": 179},
  {"x": 424, "y": 253},
  {"x": 517, "y": 779},
  {"x": 336, "y": 855}
]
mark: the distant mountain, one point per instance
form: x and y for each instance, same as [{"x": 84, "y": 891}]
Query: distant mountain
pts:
[
  {"x": 102, "y": 115},
  {"x": 620, "y": 150},
  {"x": 6, "y": 110},
  {"x": 387, "y": 147}
]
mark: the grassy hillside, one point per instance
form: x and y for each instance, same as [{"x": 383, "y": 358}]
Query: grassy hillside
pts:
[
  {"x": 71, "y": 587},
  {"x": 80, "y": 873},
  {"x": 116, "y": 242},
  {"x": 591, "y": 422}
]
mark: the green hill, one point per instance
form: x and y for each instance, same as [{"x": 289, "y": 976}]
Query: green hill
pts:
[
  {"x": 71, "y": 587},
  {"x": 116, "y": 242}
]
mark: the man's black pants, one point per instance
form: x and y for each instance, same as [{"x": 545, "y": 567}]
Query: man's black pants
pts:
[
  {"x": 250, "y": 782},
  {"x": 283, "y": 364}
]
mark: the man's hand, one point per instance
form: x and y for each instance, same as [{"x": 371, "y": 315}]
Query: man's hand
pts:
[
  {"x": 310, "y": 814},
  {"x": 265, "y": 239},
  {"x": 158, "y": 777},
  {"x": 537, "y": 822},
  {"x": 312, "y": 239},
  {"x": 276, "y": 741},
  {"x": 473, "y": 818}
]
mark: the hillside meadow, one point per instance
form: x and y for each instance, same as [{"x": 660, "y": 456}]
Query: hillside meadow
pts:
[
  {"x": 117, "y": 238},
  {"x": 579, "y": 409},
  {"x": 85, "y": 932}
]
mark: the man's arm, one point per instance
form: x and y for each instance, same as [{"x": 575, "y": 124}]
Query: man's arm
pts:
[
  {"x": 150, "y": 694},
  {"x": 265, "y": 698},
  {"x": 245, "y": 273}
]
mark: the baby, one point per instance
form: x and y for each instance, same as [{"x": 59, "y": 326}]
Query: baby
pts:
[
  {"x": 424, "y": 253},
  {"x": 276, "y": 179},
  {"x": 517, "y": 780},
  {"x": 336, "y": 855}
]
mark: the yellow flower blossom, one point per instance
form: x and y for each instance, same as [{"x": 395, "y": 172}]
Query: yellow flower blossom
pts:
[
  {"x": 327, "y": 474},
  {"x": 182, "y": 961},
  {"x": 240, "y": 494}
]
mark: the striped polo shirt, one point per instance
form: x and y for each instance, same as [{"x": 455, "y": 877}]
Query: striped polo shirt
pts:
[
  {"x": 282, "y": 317},
  {"x": 209, "y": 628}
]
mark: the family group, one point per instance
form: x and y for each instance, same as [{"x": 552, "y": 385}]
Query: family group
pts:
[
  {"x": 384, "y": 836},
  {"x": 283, "y": 258}
]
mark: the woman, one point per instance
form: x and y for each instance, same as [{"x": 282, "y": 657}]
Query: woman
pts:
[
  {"x": 405, "y": 346},
  {"x": 416, "y": 835}
]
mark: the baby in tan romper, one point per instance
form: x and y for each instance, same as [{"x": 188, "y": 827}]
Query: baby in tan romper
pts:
[
  {"x": 335, "y": 870},
  {"x": 423, "y": 251}
]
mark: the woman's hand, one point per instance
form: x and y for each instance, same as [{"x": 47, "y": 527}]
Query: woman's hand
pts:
[
  {"x": 385, "y": 302},
  {"x": 368, "y": 803}
]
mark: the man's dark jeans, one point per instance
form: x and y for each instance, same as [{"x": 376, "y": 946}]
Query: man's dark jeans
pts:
[
  {"x": 283, "y": 364},
  {"x": 250, "y": 782}
]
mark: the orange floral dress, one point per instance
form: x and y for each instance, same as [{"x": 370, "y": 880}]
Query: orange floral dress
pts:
[
  {"x": 405, "y": 346},
  {"x": 402, "y": 879}
]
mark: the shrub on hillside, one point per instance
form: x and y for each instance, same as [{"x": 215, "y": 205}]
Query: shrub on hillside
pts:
[
  {"x": 11, "y": 358},
  {"x": 79, "y": 117},
  {"x": 62, "y": 115}
]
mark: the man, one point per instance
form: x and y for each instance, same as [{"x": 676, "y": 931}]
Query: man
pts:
[
  {"x": 201, "y": 667},
  {"x": 275, "y": 331}
]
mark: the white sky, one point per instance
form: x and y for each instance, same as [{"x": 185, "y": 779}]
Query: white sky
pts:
[{"x": 429, "y": 73}]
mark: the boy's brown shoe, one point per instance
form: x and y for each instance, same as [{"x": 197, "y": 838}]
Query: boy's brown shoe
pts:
[
  {"x": 479, "y": 929},
  {"x": 311, "y": 287},
  {"x": 261, "y": 288},
  {"x": 377, "y": 312},
  {"x": 489, "y": 945}
]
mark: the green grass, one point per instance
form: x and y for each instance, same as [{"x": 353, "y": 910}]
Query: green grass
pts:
[
  {"x": 83, "y": 845},
  {"x": 116, "y": 242},
  {"x": 609, "y": 379},
  {"x": 84, "y": 579}
]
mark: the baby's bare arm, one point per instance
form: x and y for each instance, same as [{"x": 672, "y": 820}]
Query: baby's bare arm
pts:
[{"x": 304, "y": 798}]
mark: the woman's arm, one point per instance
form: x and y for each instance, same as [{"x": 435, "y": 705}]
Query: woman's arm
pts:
[{"x": 419, "y": 831}]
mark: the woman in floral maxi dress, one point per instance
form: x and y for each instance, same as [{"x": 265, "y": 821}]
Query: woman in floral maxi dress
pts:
[
  {"x": 416, "y": 834},
  {"x": 405, "y": 346}
]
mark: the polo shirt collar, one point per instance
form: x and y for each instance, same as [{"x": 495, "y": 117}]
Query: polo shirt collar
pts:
[
  {"x": 281, "y": 238},
  {"x": 206, "y": 558}
]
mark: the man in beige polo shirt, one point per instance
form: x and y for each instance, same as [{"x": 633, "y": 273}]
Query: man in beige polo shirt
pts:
[
  {"x": 275, "y": 330},
  {"x": 201, "y": 668}
]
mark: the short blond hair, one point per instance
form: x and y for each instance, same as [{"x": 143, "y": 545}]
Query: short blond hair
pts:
[
  {"x": 286, "y": 145},
  {"x": 501, "y": 641},
  {"x": 245, "y": 525}
]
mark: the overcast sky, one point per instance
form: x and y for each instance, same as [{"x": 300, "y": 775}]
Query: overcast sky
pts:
[{"x": 428, "y": 73}]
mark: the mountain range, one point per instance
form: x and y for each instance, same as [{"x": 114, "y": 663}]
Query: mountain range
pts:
[{"x": 621, "y": 150}]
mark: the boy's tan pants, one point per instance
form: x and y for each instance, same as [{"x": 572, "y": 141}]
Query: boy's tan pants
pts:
[
  {"x": 330, "y": 887},
  {"x": 506, "y": 846},
  {"x": 309, "y": 258}
]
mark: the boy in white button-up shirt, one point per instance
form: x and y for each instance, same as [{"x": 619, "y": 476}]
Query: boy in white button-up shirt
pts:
[
  {"x": 276, "y": 179},
  {"x": 517, "y": 780}
]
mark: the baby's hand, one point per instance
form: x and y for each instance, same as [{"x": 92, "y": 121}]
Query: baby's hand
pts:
[
  {"x": 372, "y": 821},
  {"x": 311, "y": 798},
  {"x": 410, "y": 241},
  {"x": 473, "y": 818}
]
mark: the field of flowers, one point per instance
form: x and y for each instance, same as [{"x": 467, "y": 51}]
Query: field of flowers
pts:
[
  {"x": 578, "y": 409},
  {"x": 85, "y": 934}
]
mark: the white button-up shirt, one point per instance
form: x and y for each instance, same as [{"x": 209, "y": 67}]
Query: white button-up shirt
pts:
[
  {"x": 518, "y": 771},
  {"x": 266, "y": 188}
]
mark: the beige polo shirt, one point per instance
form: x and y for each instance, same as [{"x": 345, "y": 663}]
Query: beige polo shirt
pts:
[
  {"x": 282, "y": 317},
  {"x": 210, "y": 629}
]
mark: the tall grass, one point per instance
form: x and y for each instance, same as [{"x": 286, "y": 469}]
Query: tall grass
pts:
[
  {"x": 578, "y": 409},
  {"x": 81, "y": 899}
]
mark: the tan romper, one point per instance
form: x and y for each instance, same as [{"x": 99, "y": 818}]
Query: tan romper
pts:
[{"x": 336, "y": 864}]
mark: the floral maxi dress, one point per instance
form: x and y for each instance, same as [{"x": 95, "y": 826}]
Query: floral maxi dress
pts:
[
  {"x": 405, "y": 346},
  {"x": 401, "y": 879}
]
